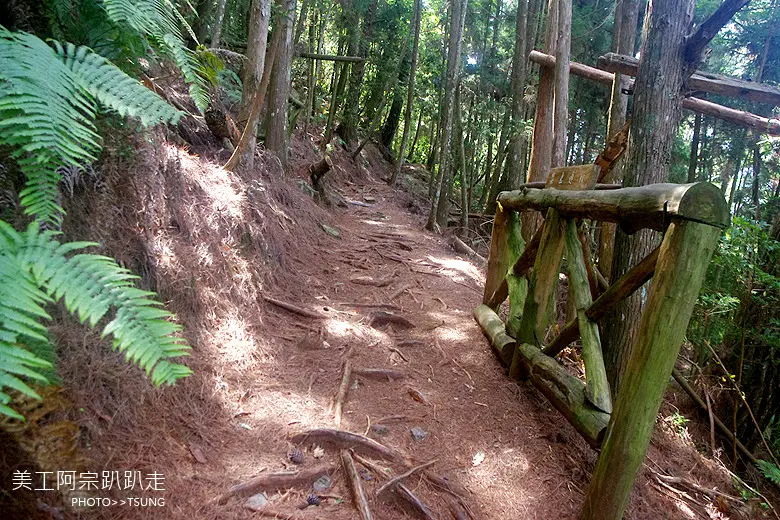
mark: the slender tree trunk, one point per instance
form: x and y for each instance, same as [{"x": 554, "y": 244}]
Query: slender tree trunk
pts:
[
  {"x": 339, "y": 82},
  {"x": 216, "y": 33},
  {"x": 257, "y": 42},
  {"x": 658, "y": 93},
  {"x": 315, "y": 107},
  {"x": 562, "y": 59},
  {"x": 514, "y": 164},
  {"x": 311, "y": 78},
  {"x": 541, "y": 148},
  {"x": 623, "y": 42},
  {"x": 694, "y": 156},
  {"x": 440, "y": 204},
  {"x": 277, "y": 138},
  {"x": 416, "y": 135},
  {"x": 301, "y": 23},
  {"x": 464, "y": 176},
  {"x": 352, "y": 106},
  {"x": 496, "y": 180},
  {"x": 409, "y": 92},
  {"x": 201, "y": 25}
]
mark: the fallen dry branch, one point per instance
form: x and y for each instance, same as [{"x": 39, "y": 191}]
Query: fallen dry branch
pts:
[
  {"x": 294, "y": 309},
  {"x": 368, "y": 280},
  {"x": 461, "y": 247},
  {"x": 379, "y": 373},
  {"x": 345, "y": 440},
  {"x": 342, "y": 395},
  {"x": 721, "y": 426},
  {"x": 358, "y": 494},
  {"x": 274, "y": 481},
  {"x": 398, "y": 292},
  {"x": 282, "y": 515},
  {"x": 421, "y": 507},
  {"x": 449, "y": 488},
  {"x": 406, "y": 474},
  {"x": 712, "y": 493}
]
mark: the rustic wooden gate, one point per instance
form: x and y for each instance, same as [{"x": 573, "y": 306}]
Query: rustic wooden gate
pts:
[{"x": 691, "y": 217}]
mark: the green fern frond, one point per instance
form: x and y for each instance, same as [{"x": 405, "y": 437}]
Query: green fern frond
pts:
[
  {"x": 770, "y": 471},
  {"x": 149, "y": 17},
  {"x": 159, "y": 20},
  {"x": 36, "y": 269},
  {"x": 115, "y": 89},
  {"x": 47, "y": 111},
  {"x": 45, "y": 117},
  {"x": 187, "y": 62}
]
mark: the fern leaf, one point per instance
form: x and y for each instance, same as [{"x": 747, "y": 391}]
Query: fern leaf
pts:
[
  {"x": 769, "y": 470},
  {"x": 159, "y": 20},
  {"x": 45, "y": 118},
  {"x": 115, "y": 89},
  {"x": 35, "y": 269}
]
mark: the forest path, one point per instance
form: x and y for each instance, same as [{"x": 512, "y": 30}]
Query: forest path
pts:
[{"x": 516, "y": 456}]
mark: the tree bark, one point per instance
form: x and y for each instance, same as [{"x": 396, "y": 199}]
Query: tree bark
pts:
[
  {"x": 349, "y": 124},
  {"x": 541, "y": 148},
  {"x": 624, "y": 42},
  {"x": 257, "y": 42},
  {"x": 276, "y": 139},
  {"x": 693, "y": 159},
  {"x": 216, "y": 33},
  {"x": 409, "y": 94},
  {"x": 514, "y": 164},
  {"x": 658, "y": 94},
  {"x": 440, "y": 202},
  {"x": 562, "y": 58}
]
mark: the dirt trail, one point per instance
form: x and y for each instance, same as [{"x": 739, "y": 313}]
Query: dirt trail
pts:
[{"x": 515, "y": 456}]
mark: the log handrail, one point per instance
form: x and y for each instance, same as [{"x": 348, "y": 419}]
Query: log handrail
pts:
[{"x": 645, "y": 207}]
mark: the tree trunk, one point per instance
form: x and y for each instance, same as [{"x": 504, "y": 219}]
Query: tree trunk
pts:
[
  {"x": 409, "y": 93},
  {"x": 624, "y": 42},
  {"x": 488, "y": 159},
  {"x": 416, "y": 135},
  {"x": 276, "y": 140},
  {"x": 694, "y": 156},
  {"x": 562, "y": 59},
  {"x": 464, "y": 176},
  {"x": 340, "y": 81},
  {"x": 201, "y": 25},
  {"x": 496, "y": 180},
  {"x": 514, "y": 165},
  {"x": 349, "y": 124},
  {"x": 301, "y": 22},
  {"x": 257, "y": 42},
  {"x": 216, "y": 33},
  {"x": 315, "y": 105},
  {"x": 440, "y": 203},
  {"x": 658, "y": 93},
  {"x": 390, "y": 126},
  {"x": 541, "y": 147}
]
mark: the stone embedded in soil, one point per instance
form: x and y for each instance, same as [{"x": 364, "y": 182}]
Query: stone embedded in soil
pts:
[
  {"x": 296, "y": 456},
  {"x": 322, "y": 484},
  {"x": 380, "y": 429},
  {"x": 418, "y": 433},
  {"x": 257, "y": 501},
  {"x": 331, "y": 231},
  {"x": 365, "y": 475}
]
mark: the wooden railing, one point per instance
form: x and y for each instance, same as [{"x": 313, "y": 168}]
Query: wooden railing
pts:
[{"x": 691, "y": 217}]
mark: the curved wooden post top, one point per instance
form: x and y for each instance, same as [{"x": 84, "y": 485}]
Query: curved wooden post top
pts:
[{"x": 644, "y": 207}]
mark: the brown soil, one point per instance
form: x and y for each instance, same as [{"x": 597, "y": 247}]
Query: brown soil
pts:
[{"x": 214, "y": 245}]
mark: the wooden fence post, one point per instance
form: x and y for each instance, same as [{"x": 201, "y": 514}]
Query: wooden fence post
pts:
[
  {"x": 506, "y": 244},
  {"x": 682, "y": 263}
]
